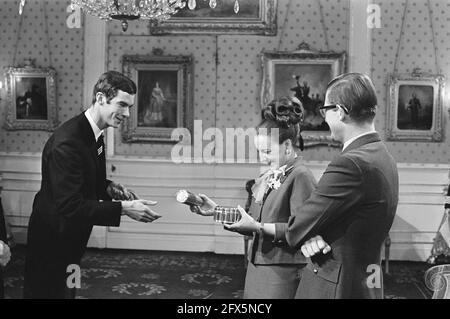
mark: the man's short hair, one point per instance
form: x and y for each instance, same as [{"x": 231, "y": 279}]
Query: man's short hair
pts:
[
  {"x": 112, "y": 81},
  {"x": 356, "y": 92}
]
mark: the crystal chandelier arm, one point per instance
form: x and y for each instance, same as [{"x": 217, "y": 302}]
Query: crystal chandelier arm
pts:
[{"x": 124, "y": 10}]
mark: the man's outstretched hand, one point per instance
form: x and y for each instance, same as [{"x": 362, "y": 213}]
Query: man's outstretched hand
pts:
[{"x": 140, "y": 210}]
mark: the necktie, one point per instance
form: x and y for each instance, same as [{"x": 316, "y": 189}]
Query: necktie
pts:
[
  {"x": 100, "y": 145},
  {"x": 101, "y": 168}
]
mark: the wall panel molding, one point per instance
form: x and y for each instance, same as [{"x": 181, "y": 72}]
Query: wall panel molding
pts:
[{"x": 419, "y": 212}]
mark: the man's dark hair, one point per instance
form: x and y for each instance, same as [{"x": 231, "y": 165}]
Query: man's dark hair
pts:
[
  {"x": 356, "y": 92},
  {"x": 112, "y": 81}
]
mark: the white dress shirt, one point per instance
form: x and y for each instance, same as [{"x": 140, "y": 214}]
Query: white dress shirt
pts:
[
  {"x": 346, "y": 144},
  {"x": 95, "y": 129}
]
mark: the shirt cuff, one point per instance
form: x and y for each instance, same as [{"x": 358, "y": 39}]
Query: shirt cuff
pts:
[{"x": 280, "y": 232}]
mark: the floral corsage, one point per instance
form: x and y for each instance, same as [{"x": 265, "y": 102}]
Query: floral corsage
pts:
[
  {"x": 277, "y": 178},
  {"x": 275, "y": 181}
]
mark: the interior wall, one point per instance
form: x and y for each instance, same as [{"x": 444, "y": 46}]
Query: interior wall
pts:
[
  {"x": 416, "y": 50},
  {"x": 227, "y": 94},
  {"x": 236, "y": 101},
  {"x": 65, "y": 51}
]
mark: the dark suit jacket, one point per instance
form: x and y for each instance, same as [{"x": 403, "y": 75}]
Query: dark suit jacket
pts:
[
  {"x": 3, "y": 237},
  {"x": 296, "y": 187},
  {"x": 72, "y": 197},
  {"x": 353, "y": 209}
]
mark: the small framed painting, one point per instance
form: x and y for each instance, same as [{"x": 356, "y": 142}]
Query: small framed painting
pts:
[
  {"x": 32, "y": 94},
  {"x": 164, "y": 97},
  {"x": 415, "y": 107}
]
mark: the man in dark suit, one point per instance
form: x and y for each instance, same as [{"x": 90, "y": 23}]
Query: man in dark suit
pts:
[
  {"x": 5, "y": 253},
  {"x": 75, "y": 194},
  {"x": 353, "y": 206}
]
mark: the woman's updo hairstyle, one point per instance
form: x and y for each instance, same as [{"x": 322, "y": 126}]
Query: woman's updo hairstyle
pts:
[{"x": 285, "y": 114}]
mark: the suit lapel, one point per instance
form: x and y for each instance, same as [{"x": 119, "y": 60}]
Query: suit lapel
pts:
[
  {"x": 289, "y": 169},
  {"x": 89, "y": 138},
  {"x": 287, "y": 172},
  {"x": 365, "y": 139}
]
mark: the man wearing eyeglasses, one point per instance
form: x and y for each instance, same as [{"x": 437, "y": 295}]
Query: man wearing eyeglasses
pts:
[
  {"x": 349, "y": 215},
  {"x": 344, "y": 223}
]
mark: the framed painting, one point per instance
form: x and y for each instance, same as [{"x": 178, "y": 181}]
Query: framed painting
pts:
[
  {"x": 31, "y": 94},
  {"x": 304, "y": 74},
  {"x": 415, "y": 107},
  {"x": 164, "y": 97},
  {"x": 257, "y": 17}
]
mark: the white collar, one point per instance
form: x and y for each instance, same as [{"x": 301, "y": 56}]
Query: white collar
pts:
[
  {"x": 95, "y": 129},
  {"x": 346, "y": 144}
]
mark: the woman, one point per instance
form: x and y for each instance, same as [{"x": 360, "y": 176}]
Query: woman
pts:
[
  {"x": 274, "y": 269},
  {"x": 155, "y": 108}
]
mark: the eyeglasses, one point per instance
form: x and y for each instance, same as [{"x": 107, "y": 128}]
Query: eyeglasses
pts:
[{"x": 323, "y": 109}]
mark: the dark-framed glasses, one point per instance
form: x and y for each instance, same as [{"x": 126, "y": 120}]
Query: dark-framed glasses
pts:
[{"x": 323, "y": 109}]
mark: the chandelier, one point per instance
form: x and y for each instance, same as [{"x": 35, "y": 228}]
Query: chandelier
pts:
[{"x": 125, "y": 10}]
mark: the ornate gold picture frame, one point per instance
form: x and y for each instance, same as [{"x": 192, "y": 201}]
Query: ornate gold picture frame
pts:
[
  {"x": 415, "y": 107},
  {"x": 31, "y": 93},
  {"x": 164, "y": 97},
  {"x": 304, "y": 74}
]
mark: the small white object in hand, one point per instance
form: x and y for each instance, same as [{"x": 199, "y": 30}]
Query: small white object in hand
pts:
[{"x": 182, "y": 196}]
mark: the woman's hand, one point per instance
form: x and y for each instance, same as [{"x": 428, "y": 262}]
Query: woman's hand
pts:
[
  {"x": 245, "y": 226},
  {"x": 207, "y": 209}
]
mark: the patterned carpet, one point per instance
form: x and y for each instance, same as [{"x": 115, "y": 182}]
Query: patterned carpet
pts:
[{"x": 116, "y": 274}]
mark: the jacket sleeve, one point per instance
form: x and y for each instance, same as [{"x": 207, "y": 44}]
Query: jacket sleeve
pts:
[
  {"x": 338, "y": 190},
  {"x": 104, "y": 195},
  {"x": 303, "y": 185},
  {"x": 67, "y": 182}
]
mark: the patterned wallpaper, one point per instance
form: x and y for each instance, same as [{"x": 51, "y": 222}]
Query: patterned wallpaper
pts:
[
  {"x": 236, "y": 101},
  {"x": 66, "y": 47},
  {"x": 416, "y": 50},
  {"x": 203, "y": 50},
  {"x": 227, "y": 95}
]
